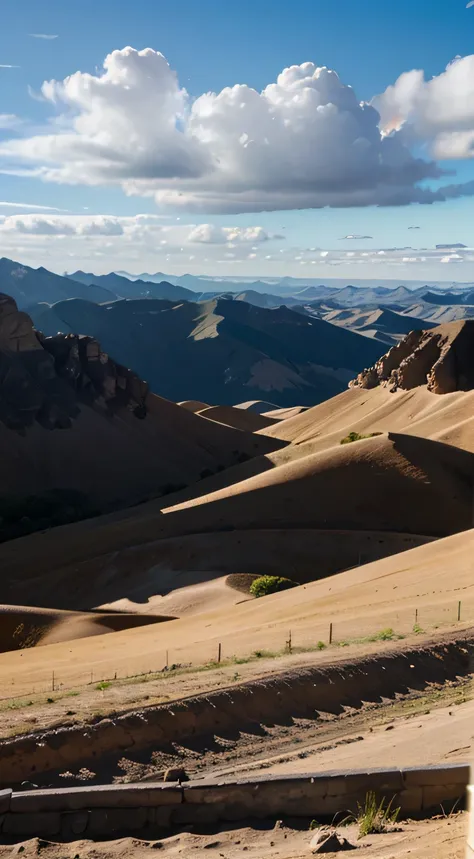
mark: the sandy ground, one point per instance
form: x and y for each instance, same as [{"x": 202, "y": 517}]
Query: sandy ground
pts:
[
  {"x": 360, "y": 602},
  {"x": 432, "y": 839}
]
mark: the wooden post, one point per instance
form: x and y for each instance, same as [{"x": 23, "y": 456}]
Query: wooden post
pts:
[
  {"x": 330, "y": 633},
  {"x": 92, "y": 676},
  {"x": 219, "y": 652},
  {"x": 416, "y": 616},
  {"x": 53, "y": 682},
  {"x": 289, "y": 642},
  {"x": 459, "y": 610},
  {"x": 167, "y": 659}
]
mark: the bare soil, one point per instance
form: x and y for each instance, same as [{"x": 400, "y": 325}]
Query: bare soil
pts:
[{"x": 443, "y": 838}]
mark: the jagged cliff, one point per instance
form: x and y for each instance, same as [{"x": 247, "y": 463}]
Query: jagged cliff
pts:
[
  {"x": 441, "y": 358},
  {"x": 44, "y": 378}
]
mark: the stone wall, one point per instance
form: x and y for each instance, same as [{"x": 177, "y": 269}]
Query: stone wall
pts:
[{"x": 115, "y": 810}]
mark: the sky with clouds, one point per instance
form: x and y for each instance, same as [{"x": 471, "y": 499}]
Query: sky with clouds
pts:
[{"x": 236, "y": 144}]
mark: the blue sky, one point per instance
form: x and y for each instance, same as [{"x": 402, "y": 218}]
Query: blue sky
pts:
[{"x": 212, "y": 45}]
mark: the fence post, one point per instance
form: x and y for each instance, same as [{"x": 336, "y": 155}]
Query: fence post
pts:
[
  {"x": 53, "y": 682},
  {"x": 330, "y": 633},
  {"x": 167, "y": 659},
  {"x": 459, "y": 610},
  {"x": 288, "y": 643},
  {"x": 416, "y": 616},
  {"x": 219, "y": 652}
]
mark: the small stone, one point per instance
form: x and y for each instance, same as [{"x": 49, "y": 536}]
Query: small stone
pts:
[{"x": 330, "y": 842}]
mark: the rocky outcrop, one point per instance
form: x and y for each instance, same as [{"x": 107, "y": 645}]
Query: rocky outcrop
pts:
[
  {"x": 45, "y": 379},
  {"x": 441, "y": 358}
]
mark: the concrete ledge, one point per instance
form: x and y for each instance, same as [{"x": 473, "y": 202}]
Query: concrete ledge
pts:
[
  {"x": 105, "y": 810},
  {"x": 97, "y": 796}
]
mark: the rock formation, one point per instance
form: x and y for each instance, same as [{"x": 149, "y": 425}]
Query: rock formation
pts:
[
  {"x": 441, "y": 358},
  {"x": 44, "y": 378}
]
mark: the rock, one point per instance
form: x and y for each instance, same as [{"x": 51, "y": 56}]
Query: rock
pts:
[
  {"x": 329, "y": 842},
  {"x": 45, "y": 379},
  {"x": 441, "y": 358}
]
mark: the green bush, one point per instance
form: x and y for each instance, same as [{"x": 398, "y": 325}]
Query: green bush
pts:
[
  {"x": 265, "y": 585},
  {"x": 357, "y": 436}
]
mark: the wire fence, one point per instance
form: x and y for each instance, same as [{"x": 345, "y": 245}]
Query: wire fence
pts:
[{"x": 388, "y": 624}]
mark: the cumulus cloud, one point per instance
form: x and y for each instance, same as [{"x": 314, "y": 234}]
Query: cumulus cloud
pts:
[
  {"x": 212, "y": 234},
  {"x": 45, "y": 225},
  {"x": 147, "y": 242},
  {"x": 304, "y": 141},
  {"x": 439, "y": 111}
]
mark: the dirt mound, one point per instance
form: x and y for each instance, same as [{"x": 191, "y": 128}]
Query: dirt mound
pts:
[
  {"x": 243, "y": 419},
  {"x": 344, "y": 506},
  {"x": 146, "y": 577},
  {"x": 24, "y": 627},
  {"x": 417, "y": 412},
  {"x": 388, "y": 483},
  {"x": 441, "y": 358}
]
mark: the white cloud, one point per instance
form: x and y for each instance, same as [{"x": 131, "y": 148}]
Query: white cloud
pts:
[
  {"x": 439, "y": 111},
  {"x": 212, "y": 234},
  {"x": 304, "y": 141},
  {"x": 8, "y": 66},
  {"x": 48, "y": 36},
  {"x": 355, "y": 237},
  {"x": 144, "y": 242},
  {"x": 13, "y": 205},
  {"x": 74, "y": 225},
  {"x": 9, "y": 120}
]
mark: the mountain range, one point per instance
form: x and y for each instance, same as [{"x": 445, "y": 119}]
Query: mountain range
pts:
[{"x": 219, "y": 351}]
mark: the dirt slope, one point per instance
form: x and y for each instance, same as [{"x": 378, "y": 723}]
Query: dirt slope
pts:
[
  {"x": 359, "y": 601},
  {"x": 381, "y": 492},
  {"x": 417, "y": 412},
  {"x": 391, "y": 482},
  {"x": 23, "y": 627},
  {"x": 243, "y": 419}
]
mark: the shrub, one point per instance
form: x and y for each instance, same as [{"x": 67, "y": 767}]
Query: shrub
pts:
[
  {"x": 374, "y": 817},
  {"x": 265, "y": 585},
  {"x": 357, "y": 436}
]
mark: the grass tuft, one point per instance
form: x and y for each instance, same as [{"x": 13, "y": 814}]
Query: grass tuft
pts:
[{"x": 373, "y": 817}]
